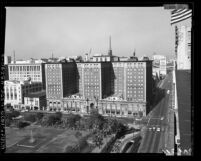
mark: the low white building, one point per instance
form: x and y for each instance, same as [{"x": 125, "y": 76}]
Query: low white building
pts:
[
  {"x": 15, "y": 91},
  {"x": 7, "y": 60}
]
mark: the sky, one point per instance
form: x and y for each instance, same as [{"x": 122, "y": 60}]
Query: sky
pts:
[{"x": 37, "y": 32}]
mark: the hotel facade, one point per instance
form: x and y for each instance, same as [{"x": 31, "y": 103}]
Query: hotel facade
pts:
[{"x": 122, "y": 89}]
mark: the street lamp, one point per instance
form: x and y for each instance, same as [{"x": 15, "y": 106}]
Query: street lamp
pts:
[
  {"x": 96, "y": 98},
  {"x": 87, "y": 104}
]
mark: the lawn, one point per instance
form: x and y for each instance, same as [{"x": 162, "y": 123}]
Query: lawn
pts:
[{"x": 50, "y": 140}]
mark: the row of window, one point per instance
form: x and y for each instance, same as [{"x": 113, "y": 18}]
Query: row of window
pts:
[{"x": 24, "y": 68}]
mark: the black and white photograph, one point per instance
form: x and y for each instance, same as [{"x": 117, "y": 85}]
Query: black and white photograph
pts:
[{"x": 97, "y": 79}]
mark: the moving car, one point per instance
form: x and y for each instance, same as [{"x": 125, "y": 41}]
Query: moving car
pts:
[{"x": 158, "y": 129}]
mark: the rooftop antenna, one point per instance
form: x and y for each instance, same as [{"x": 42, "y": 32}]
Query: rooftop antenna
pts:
[
  {"x": 134, "y": 53},
  {"x": 14, "y": 57},
  {"x": 110, "y": 47},
  {"x": 89, "y": 52}
]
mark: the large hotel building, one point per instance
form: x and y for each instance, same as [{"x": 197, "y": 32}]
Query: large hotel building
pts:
[{"x": 121, "y": 88}]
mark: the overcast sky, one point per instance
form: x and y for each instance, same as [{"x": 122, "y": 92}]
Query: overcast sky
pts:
[{"x": 36, "y": 32}]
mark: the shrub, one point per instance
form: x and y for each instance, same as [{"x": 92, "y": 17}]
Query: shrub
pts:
[
  {"x": 78, "y": 134},
  {"x": 30, "y": 117},
  {"x": 15, "y": 113},
  {"x": 7, "y": 122},
  {"x": 22, "y": 124},
  {"x": 71, "y": 149},
  {"x": 39, "y": 116}
]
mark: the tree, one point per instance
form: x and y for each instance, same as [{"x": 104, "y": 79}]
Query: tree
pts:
[
  {"x": 51, "y": 120},
  {"x": 98, "y": 139},
  {"x": 15, "y": 113},
  {"x": 22, "y": 124},
  {"x": 39, "y": 116},
  {"x": 72, "y": 120},
  {"x": 95, "y": 120},
  {"x": 78, "y": 134},
  {"x": 121, "y": 129},
  {"x": 70, "y": 149},
  {"x": 30, "y": 117}
]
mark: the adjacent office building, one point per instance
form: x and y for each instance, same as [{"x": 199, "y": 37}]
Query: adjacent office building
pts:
[
  {"x": 15, "y": 91},
  {"x": 21, "y": 72}
]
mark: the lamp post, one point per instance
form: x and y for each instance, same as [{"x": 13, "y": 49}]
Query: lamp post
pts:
[
  {"x": 96, "y": 98},
  {"x": 87, "y": 104}
]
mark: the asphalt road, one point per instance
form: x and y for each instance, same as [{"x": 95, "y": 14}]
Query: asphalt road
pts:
[{"x": 153, "y": 140}]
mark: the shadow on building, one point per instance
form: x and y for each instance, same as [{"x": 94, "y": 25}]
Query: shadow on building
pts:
[{"x": 158, "y": 95}]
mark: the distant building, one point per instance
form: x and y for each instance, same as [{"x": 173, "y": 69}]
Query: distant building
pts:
[
  {"x": 7, "y": 60},
  {"x": 159, "y": 65},
  {"x": 36, "y": 100},
  {"x": 123, "y": 58},
  {"x": 15, "y": 91},
  {"x": 21, "y": 72}
]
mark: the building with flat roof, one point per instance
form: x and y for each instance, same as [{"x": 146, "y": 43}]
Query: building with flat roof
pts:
[
  {"x": 35, "y": 100},
  {"x": 60, "y": 82},
  {"x": 115, "y": 88},
  {"x": 159, "y": 65},
  {"x": 21, "y": 72},
  {"x": 7, "y": 60},
  {"x": 15, "y": 91}
]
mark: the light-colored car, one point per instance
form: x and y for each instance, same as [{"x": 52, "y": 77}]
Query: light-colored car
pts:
[
  {"x": 158, "y": 129},
  {"x": 150, "y": 129},
  {"x": 154, "y": 128},
  {"x": 168, "y": 91}
]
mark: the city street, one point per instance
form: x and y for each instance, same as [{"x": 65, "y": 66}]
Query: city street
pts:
[{"x": 158, "y": 123}]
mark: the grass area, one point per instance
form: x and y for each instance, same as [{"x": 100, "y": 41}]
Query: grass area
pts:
[{"x": 50, "y": 140}]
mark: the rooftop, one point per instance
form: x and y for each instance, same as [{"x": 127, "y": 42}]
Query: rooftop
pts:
[{"x": 37, "y": 94}]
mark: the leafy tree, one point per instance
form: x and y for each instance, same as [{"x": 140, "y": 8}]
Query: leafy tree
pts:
[
  {"x": 121, "y": 129},
  {"x": 15, "y": 113},
  {"x": 72, "y": 119},
  {"x": 95, "y": 120},
  {"x": 30, "y": 117},
  {"x": 58, "y": 115},
  {"x": 78, "y": 134},
  {"x": 39, "y": 116},
  {"x": 98, "y": 139},
  {"x": 51, "y": 120},
  {"x": 22, "y": 124},
  {"x": 7, "y": 122},
  {"x": 70, "y": 149}
]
